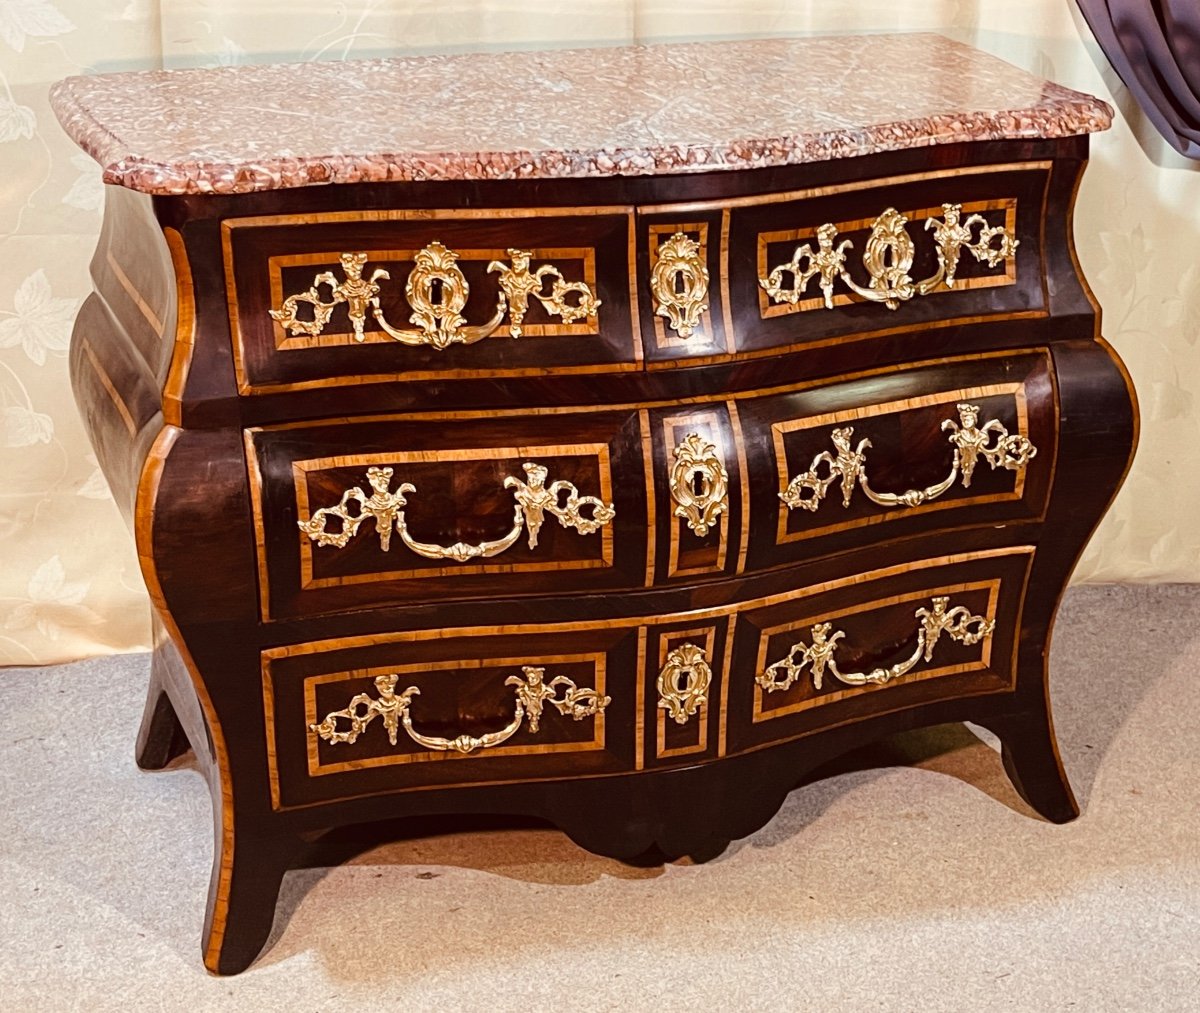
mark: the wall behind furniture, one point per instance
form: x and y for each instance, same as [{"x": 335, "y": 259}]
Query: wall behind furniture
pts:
[{"x": 69, "y": 581}]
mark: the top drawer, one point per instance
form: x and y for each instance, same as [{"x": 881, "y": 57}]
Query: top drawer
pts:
[
  {"x": 794, "y": 270},
  {"x": 337, "y": 298},
  {"x": 344, "y": 297}
]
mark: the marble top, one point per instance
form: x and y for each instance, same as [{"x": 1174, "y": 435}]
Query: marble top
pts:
[{"x": 637, "y": 110}]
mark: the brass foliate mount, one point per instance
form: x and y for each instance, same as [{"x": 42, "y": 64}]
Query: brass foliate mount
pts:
[
  {"x": 699, "y": 483},
  {"x": 818, "y": 657},
  {"x": 683, "y": 682},
  {"x": 531, "y": 692},
  {"x": 679, "y": 283},
  {"x": 437, "y": 292},
  {"x": 888, "y": 257},
  {"x": 533, "y": 500},
  {"x": 847, "y": 465}
]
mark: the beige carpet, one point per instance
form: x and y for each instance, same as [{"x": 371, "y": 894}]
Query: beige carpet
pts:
[{"x": 921, "y": 884}]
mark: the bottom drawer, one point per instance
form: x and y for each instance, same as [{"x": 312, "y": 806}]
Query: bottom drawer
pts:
[
  {"x": 399, "y": 711},
  {"x": 933, "y": 630},
  {"x": 440, "y": 708}
]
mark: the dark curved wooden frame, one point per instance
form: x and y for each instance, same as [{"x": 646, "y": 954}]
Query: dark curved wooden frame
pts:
[{"x": 152, "y": 371}]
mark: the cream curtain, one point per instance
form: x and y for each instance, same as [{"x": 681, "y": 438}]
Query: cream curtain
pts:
[{"x": 69, "y": 582}]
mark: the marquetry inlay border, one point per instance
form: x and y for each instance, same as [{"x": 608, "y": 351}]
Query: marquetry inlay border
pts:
[
  {"x": 739, "y": 444},
  {"x": 505, "y": 564},
  {"x": 704, "y": 334},
  {"x": 914, "y": 599},
  {"x": 110, "y": 388},
  {"x": 316, "y": 768},
  {"x": 377, "y": 257},
  {"x": 779, "y": 430},
  {"x": 682, "y": 209},
  {"x": 300, "y": 469},
  {"x": 440, "y": 215},
  {"x": 700, "y": 402},
  {"x": 674, "y": 427},
  {"x": 704, "y": 637},
  {"x": 140, "y": 301}
]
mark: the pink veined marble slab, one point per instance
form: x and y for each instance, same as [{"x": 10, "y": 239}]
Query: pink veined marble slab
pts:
[{"x": 675, "y": 108}]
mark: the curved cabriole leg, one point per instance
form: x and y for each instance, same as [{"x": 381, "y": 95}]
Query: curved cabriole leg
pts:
[
  {"x": 242, "y": 896},
  {"x": 1030, "y": 755},
  {"x": 1098, "y": 407},
  {"x": 161, "y": 737}
]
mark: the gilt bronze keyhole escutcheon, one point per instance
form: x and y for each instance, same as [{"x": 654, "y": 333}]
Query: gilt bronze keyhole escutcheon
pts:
[
  {"x": 679, "y": 283},
  {"x": 699, "y": 483},
  {"x": 683, "y": 682}
]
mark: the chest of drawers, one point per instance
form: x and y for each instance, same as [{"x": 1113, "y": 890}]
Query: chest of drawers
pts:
[{"x": 618, "y": 479}]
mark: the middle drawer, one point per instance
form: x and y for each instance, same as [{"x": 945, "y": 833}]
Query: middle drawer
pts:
[
  {"x": 384, "y": 511},
  {"x": 375, "y": 512}
]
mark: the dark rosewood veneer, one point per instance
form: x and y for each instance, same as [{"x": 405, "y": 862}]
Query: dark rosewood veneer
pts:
[{"x": 733, "y": 588}]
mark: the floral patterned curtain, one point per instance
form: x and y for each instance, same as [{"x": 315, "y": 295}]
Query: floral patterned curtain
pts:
[{"x": 69, "y": 580}]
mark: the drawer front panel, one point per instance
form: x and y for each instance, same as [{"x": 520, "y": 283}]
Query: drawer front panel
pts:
[
  {"x": 967, "y": 442},
  {"x": 787, "y": 261},
  {"x": 377, "y": 512},
  {"x": 345, "y": 298},
  {"x": 685, "y": 675},
  {"x": 427, "y": 709},
  {"x": 680, "y": 268},
  {"x": 404, "y": 710},
  {"x": 877, "y": 643},
  {"x": 697, "y": 478}
]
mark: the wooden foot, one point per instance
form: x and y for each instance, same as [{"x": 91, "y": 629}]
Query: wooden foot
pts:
[
  {"x": 707, "y": 850},
  {"x": 241, "y": 901},
  {"x": 161, "y": 737},
  {"x": 1029, "y": 751}
]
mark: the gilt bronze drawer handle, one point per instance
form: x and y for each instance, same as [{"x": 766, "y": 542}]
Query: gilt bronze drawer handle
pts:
[
  {"x": 679, "y": 283},
  {"x": 532, "y": 694},
  {"x": 518, "y": 283},
  {"x": 848, "y": 466},
  {"x": 888, "y": 257},
  {"x": 437, "y": 292},
  {"x": 533, "y": 500},
  {"x": 818, "y": 657},
  {"x": 699, "y": 483},
  {"x": 683, "y": 682}
]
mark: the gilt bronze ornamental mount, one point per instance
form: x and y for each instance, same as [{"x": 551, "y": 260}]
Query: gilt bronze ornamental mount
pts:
[
  {"x": 683, "y": 682},
  {"x": 437, "y": 292},
  {"x": 533, "y": 499},
  {"x": 532, "y": 692},
  {"x": 847, "y": 465},
  {"x": 819, "y": 657},
  {"x": 699, "y": 483},
  {"x": 888, "y": 257},
  {"x": 679, "y": 283}
]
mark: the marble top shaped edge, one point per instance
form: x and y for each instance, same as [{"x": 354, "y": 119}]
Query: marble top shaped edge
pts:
[{"x": 627, "y": 111}]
